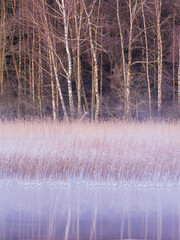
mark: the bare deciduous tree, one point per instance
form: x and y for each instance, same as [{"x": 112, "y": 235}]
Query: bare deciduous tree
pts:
[
  {"x": 158, "y": 5},
  {"x": 2, "y": 43},
  {"x": 94, "y": 57},
  {"x": 63, "y": 10},
  {"x": 147, "y": 58}
]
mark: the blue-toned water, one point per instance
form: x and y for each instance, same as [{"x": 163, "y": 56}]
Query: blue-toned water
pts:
[
  {"x": 89, "y": 181},
  {"x": 85, "y": 210}
]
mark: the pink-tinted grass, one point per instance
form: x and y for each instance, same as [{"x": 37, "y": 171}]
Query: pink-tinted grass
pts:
[{"x": 117, "y": 152}]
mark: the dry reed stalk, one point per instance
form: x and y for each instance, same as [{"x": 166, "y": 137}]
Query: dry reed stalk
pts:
[{"x": 106, "y": 151}]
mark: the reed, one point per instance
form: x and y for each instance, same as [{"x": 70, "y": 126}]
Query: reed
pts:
[
  {"x": 117, "y": 152},
  {"x": 77, "y": 177}
]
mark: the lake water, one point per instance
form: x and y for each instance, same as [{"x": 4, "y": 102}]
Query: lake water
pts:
[{"x": 49, "y": 209}]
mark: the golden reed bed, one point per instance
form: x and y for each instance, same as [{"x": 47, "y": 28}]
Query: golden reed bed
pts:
[{"x": 109, "y": 151}]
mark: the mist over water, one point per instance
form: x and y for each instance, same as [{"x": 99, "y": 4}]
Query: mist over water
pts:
[
  {"x": 52, "y": 210},
  {"x": 87, "y": 181}
]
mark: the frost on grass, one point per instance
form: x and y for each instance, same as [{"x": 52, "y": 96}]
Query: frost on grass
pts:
[{"x": 110, "y": 153}]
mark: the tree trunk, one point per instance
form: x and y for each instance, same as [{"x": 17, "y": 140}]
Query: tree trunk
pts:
[
  {"x": 84, "y": 96},
  {"x": 69, "y": 72},
  {"x": 50, "y": 46},
  {"x": 32, "y": 68},
  {"x": 179, "y": 76},
  {"x": 147, "y": 61},
  {"x": 78, "y": 35},
  {"x": 52, "y": 87},
  {"x": 24, "y": 53},
  {"x": 123, "y": 58},
  {"x": 20, "y": 63},
  {"x": 2, "y": 45},
  {"x": 95, "y": 63},
  {"x": 57, "y": 102},
  {"x": 92, "y": 91},
  {"x": 173, "y": 60},
  {"x": 40, "y": 77},
  {"x": 158, "y": 4},
  {"x": 132, "y": 12},
  {"x": 101, "y": 78},
  {"x": 155, "y": 62},
  {"x": 79, "y": 76},
  {"x": 16, "y": 64},
  {"x": 29, "y": 60}
]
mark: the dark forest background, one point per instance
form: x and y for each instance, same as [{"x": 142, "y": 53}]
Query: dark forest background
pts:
[{"x": 96, "y": 59}]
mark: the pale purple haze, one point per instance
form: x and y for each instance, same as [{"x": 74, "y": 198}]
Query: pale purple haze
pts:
[{"x": 89, "y": 180}]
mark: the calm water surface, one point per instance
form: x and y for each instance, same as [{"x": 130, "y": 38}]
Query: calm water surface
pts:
[{"x": 80, "y": 210}]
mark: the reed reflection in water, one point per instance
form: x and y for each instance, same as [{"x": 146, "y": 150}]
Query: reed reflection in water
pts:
[
  {"x": 109, "y": 180},
  {"x": 52, "y": 210}
]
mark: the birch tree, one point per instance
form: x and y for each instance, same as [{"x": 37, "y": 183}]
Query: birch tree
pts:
[
  {"x": 94, "y": 57},
  {"x": 158, "y": 5},
  {"x": 123, "y": 56},
  {"x": 133, "y": 10},
  {"x": 179, "y": 73},
  {"x": 40, "y": 74},
  {"x": 78, "y": 26},
  {"x": 173, "y": 59},
  {"x": 63, "y": 10},
  {"x": 147, "y": 58},
  {"x": 52, "y": 57},
  {"x": 16, "y": 61},
  {"x": 2, "y": 44},
  {"x": 52, "y": 87}
]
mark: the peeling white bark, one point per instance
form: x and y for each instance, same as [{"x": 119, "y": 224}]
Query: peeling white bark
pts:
[
  {"x": 66, "y": 36},
  {"x": 93, "y": 52},
  {"x": 54, "y": 65},
  {"x": 147, "y": 60}
]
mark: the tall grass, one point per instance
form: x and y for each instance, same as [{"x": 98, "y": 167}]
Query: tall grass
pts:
[
  {"x": 105, "y": 153},
  {"x": 105, "y": 166}
]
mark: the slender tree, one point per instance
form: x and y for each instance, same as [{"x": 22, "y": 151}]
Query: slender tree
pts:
[
  {"x": 63, "y": 10},
  {"x": 52, "y": 53},
  {"x": 158, "y": 6},
  {"x": 2, "y": 44},
  {"x": 179, "y": 73},
  {"x": 147, "y": 58},
  {"x": 62, "y": 58},
  {"x": 94, "y": 58}
]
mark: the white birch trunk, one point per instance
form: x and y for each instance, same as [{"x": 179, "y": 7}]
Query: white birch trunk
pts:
[
  {"x": 94, "y": 56},
  {"x": 96, "y": 87},
  {"x": 40, "y": 77},
  {"x": 69, "y": 72},
  {"x": 127, "y": 72},
  {"x": 52, "y": 87},
  {"x": 158, "y": 4},
  {"x": 179, "y": 76},
  {"x": 54, "y": 65},
  {"x": 32, "y": 69},
  {"x": 147, "y": 61},
  {"x": 173, "y": 60},
  {"x": 128, "y": 81},
  {"x": 122, "y": 53},
  {"x": 78, "y": 77},
  {"x": 2, "y": 45},
  {"x": 78, "y": 34},
  {"x": 58, "y": 83},
  {"x": 20, "y": 63}
]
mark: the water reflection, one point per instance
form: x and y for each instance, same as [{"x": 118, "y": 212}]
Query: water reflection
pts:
[{"x": 52, "y": 210}]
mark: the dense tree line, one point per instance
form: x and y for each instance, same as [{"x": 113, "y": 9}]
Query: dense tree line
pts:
[{"x": 106, "y": 58}]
